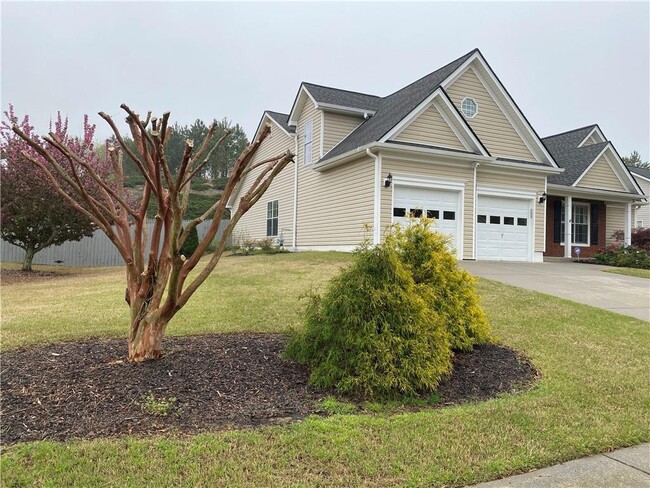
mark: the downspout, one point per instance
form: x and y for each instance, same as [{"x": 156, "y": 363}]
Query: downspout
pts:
[
  {"x": 475, "y": 165},
  {"x": 295, "y": 196},
  {"x": 376, "y": 224}
]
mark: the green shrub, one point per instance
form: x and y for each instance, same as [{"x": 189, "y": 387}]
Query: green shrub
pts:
[
  {"x": 448, "y": 289},
  {"x": 371, "y": 333},
  {"x": 624, "y": 257},
  {"x": 191, "y": 243}
]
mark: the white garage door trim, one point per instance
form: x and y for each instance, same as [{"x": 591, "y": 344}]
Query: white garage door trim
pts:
[
  {"x": 403, "y": 180},
  {"x": 529, "y": 197}
]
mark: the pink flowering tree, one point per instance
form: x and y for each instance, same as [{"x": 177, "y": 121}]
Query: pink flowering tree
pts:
[
  {"x": 158, "y": 280},
  {"x": 32, "y": 215}
]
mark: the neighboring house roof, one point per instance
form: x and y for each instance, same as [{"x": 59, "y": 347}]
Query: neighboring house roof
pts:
[
  {"x": 643, "y": 172},
  {"x": 282, "y": 120},
  {"x": 393, "y": 108},
  {"x": 343, "y": 98}
]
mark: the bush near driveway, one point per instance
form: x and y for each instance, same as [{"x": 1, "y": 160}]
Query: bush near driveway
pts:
[
  {"x": 624, "y": 257},
  {"x": 386, "y": 325}
]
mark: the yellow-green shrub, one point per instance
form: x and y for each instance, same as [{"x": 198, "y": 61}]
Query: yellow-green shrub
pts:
[
  {"x": 371, "y": 333},
  {"x": 448, "y": 289}
]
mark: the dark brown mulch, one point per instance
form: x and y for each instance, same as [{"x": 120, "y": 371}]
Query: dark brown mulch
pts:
[
  {"x": 88, "y": 390},
  {"x": 11, "y": 276}
]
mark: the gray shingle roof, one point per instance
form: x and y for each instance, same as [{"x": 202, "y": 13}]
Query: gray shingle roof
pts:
[
  {"x": 574, "y": 161},
  {"x": 394, "y": 108},
  {"x": 566, "y": 141},
  {"x": 344, "y": 98},
  {"x": 282, "y": 120},
  {"x": 645, "y": 172}
]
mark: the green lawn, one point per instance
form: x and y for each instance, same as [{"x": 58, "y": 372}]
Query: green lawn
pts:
[
  {"x": 639, "y": 273},
  {"x": 592, "y": 396}
]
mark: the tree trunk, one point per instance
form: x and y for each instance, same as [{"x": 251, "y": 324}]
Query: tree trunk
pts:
[
  {"x": 145, "y": 340},
  {"x": 29, "y": 257}
]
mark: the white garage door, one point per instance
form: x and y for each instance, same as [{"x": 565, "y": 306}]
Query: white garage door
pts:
[
  {"x": 503, "y": 229},
  {"x": 442, "y": 205}
]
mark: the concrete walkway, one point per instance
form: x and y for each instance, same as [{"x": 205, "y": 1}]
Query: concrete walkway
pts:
[
  {"x": 584, "y": 283},
  {"x": 625, "y": 468}
]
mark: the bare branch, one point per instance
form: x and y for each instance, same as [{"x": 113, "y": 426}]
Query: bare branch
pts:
[{"x": 207, "y": 158}]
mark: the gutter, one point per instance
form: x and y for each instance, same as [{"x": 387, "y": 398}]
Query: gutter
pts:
[
  {"x": 561, "y": 190},
  {"x": 376, "y": 220}
]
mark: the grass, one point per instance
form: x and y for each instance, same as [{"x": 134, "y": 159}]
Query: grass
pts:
[
  {"x": 592, "y": 396},
  {"x": 639, "y": 273}
]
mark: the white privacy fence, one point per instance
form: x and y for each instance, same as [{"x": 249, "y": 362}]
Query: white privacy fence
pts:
[{"x": 97, "y": 250}]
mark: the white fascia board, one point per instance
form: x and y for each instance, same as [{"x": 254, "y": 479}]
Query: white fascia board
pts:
[
  {"x": 596, "y": 130},
  {"x": 625, "y": 169},
  {"x": 513, "y": 107},
  {"x": 469, "y": 136},
  {"x": 564, "y": 190},
  {"x": 399, "y": 148},
  {"x": 302, "y": 93},
  {"x": 414, "y": 114},
  {"x": 271, "y": 119},
  {"x": 522, "y": 166},
  {"x": 637, "y": 175},
  {"x": 330, "y": 107}
]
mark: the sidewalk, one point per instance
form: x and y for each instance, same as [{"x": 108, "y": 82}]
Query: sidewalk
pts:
[{"x": 625, "y": 468}]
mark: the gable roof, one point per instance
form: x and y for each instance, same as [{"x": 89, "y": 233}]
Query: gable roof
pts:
[
  {"x": 343, "y": 98},
  {"x": 282, "y": 120},
  {"x": 394, "y": 108},
  {"x": 576, "y": 160}
]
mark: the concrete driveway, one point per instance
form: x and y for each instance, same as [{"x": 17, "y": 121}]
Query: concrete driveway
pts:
[{"x": 584, "y": 283}]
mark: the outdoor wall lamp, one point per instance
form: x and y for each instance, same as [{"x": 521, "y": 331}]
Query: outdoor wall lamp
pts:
[
  {"x": 542, "y": 198},
  {"x": 388, "y": 181}
]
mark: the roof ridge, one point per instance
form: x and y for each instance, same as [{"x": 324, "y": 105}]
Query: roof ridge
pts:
[
  {"x": 340, "y": 89},
  {"x": 435, "y": 71},
  {"x": 569, "y": 131}
]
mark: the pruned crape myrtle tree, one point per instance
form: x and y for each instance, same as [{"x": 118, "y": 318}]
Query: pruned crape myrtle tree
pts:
[{"x": 157, "y": 274}]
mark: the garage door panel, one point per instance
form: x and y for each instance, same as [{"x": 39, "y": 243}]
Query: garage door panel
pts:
[
  {"x": 441, "y": 205},
  {"x": 503, "y": 230}
]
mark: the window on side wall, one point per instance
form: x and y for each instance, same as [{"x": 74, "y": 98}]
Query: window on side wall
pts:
[
  {"x": 272, "y": 218},
  {"x": 579, "y": 224},
  {"x": 307, "y": 145}
]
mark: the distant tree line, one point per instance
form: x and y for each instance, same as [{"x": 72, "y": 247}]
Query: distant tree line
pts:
[{"x": 221, "y": 161}]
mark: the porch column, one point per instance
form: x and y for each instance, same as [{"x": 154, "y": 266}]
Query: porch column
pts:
[
  {"x": 568, "y": 238},
  {"x": 628, "y": 224}
]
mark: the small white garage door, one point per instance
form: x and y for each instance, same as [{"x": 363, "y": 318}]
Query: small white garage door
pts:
[
  {"x": 503, "y": 229},
  {"x": 442, "y": 205}
]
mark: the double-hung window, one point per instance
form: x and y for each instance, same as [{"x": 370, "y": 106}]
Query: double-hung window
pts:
[
  {"x": 579, "y": 223},
  {"x": 272, "y": 218},
  {"x": 307, "y": 144}
]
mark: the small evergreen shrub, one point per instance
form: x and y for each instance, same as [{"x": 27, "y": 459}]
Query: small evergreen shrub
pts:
[
  {"x": 371, "y": 333},
  {"x": 448, "y": 289},
  {"x": 191, "y": 243}
]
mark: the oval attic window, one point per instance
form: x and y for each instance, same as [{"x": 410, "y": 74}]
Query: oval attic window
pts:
[{"x": 469, "y": 107}]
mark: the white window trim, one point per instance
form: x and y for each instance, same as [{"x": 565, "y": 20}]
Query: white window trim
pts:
[
  {"x": 277, "y": 216},
  {"x": 305, "y": 142},
  {"x": 475, "y": 104},
  {"x": 574, "y": 205}
]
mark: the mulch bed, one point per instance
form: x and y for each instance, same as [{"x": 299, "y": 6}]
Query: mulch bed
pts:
[
  {"x": 88, "y": 389},
  {"x": 12, "y": 276}
]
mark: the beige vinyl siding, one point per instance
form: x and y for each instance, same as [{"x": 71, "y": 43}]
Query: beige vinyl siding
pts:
[
  {"x": 333, "y": 206},
  {"x": 490, "y": 124},
  {"x": 512, "y": 181},
  {"x": 457, "y": 173},
  {"x": 253, "y": 223},
  {"x": 601, "y": 176},
  {"x": 336, "y": 127},
  {"x": 614, "y": 220},
  {"x": 643, "y": 213},
  {"x": 430, "y": 128}
]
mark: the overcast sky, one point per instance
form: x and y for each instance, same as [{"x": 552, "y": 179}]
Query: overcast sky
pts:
[{"x": 566, "y": 64}]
